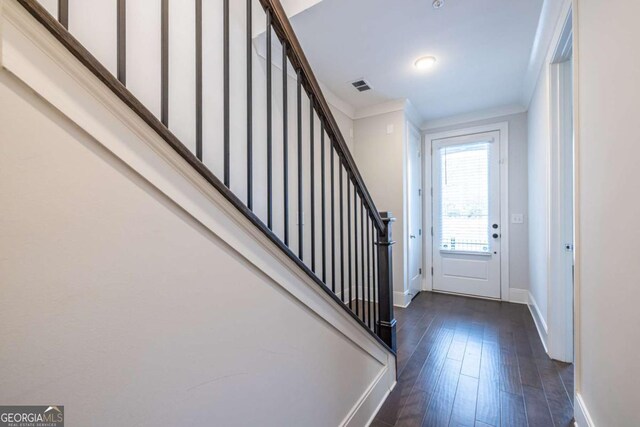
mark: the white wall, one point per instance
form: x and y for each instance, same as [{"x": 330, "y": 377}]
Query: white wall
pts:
[
  {"x": 518, "y": 202},
  {"x": 381, "y": 160},
  {"x": 538, "y": 154},
  {"x": 608, "y": 138},
  {"x": 346, "y": 125}
]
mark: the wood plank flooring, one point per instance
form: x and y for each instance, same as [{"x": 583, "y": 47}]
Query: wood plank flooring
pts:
[{"x": 472, "y": 362}]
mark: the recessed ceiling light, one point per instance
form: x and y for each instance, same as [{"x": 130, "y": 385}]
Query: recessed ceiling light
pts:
[
  {"x": 437, "y": 4},
  {"x": 425, "y": 62}
]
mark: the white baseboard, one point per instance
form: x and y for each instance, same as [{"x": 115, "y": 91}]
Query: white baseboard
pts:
[
  {"x": 539, "y": 321},
  {"x": 519, "y": 296},
  {"x": 582, "y": 416},
  {"x": 523, "y": 296},
  {"x": 401, "y": 299}
]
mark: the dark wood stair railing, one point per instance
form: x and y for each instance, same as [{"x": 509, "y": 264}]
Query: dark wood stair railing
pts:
[{"x": 373, "y": 284}]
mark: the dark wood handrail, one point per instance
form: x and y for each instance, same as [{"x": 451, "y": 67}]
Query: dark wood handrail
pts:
[{"x": 283, "y": 29}]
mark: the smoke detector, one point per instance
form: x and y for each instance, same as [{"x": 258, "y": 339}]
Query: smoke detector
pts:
[
  {"x": 362, "y": 85},
  {"x": 437, "y": 4}
]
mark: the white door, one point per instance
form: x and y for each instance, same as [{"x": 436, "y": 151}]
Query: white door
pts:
[
  {"x": 414, "y": 222},
  {"x": 466, "y": 214},
  {"x": 566, "y": 208}
]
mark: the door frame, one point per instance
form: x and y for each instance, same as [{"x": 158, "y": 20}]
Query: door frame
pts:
[
  {"x": 427, "y": 211},
  {"x": 410, "y": 127},
  {"x": 560, "y": 295}
]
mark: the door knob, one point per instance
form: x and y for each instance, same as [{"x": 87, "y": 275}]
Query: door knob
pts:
[
  {"x": 495, "y": 235},
  {"x": 412, "y": 236},
  {"x": 494, "y": 226}
]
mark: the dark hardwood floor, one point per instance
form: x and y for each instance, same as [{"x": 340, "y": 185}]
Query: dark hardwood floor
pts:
[{"x": 472, "y": 362}]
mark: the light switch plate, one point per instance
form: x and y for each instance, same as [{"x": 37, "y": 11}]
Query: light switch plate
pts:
[
  {"x": 517, "y": 219},
  {"x": 389, "y": 129}
]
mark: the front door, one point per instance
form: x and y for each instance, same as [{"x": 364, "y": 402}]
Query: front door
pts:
[
  {"x": 466, "y": 214},
  {"x": 414, "y": 222}
]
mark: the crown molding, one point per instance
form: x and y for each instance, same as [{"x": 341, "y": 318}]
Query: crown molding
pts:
[
  {"x": 337, "y": 102},
  {"x": 276, "y": 60},
  {"x": 383, "y": 108},
  {"x": 489, "y": 113},
  {"x": 550, "y": 15}
]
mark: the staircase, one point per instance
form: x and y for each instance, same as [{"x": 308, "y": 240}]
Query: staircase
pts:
[
  {"x": 252, "y": 133},
  {"x": 348, "y": 253}
]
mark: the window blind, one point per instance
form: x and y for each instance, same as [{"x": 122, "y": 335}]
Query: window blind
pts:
[{"x": 464, "y": 212}]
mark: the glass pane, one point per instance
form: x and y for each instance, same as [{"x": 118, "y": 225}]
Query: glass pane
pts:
[{"x": 464, "y": 210}]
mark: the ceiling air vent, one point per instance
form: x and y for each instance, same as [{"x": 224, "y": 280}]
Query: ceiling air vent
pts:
[{"x": 362, "y": 85}]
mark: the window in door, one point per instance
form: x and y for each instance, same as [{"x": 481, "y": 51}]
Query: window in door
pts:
[{"x": 464, "y": 212}]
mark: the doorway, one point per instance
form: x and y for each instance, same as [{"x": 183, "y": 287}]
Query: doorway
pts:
[
  {"x": 466, "y": 244},
  {"x": 561, "y": 230},
  {"x": 466, "y": 214},
  {"x": 414, "y": 217}
]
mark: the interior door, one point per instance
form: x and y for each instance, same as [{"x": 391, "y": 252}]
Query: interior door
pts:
[
  {"x": 466, "y": 214},
  {"x": 414, "y": 227}
]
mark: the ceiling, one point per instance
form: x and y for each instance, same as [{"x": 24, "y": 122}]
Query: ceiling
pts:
[{"x": 483, "y": 50}]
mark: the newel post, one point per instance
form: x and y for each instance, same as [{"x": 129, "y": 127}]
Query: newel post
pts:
[{"x": 386, "y": 322}]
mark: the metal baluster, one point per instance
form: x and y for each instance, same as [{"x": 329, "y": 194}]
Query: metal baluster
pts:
[
  {"x": 369, "y": 270},
  {"x": 63, "y": 13},
  {"x": 269, "y": 129},
  {"x": 122, "y": 40},
  {"x": 300, "y": 200},
  {"x": 333, "y": 222},
  {"x": 285, "y": 140},
  {"x": 312, "y": 185},
  {"x": 355, "y": 244},
  {"x": 226, "y": 94},
  {"x": 362, "y": 253},
  {"x": 349, "y": 238},
  {"x": 249, "y": 52},
  {"x": 376, "y": 299},
  {"x": 323, "y": 204},
  {"x": 164, "y": 61},
  {"x": 198, "y": 79},
  {"x": 341, "y": 235}
]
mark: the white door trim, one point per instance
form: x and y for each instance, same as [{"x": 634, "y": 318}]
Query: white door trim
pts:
[
  {"x": 577, "y": 307},
  {"x": 559, "y": 293},
  {"x": 503, "y": 128},
  {"x": 410, "y": 127}
]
